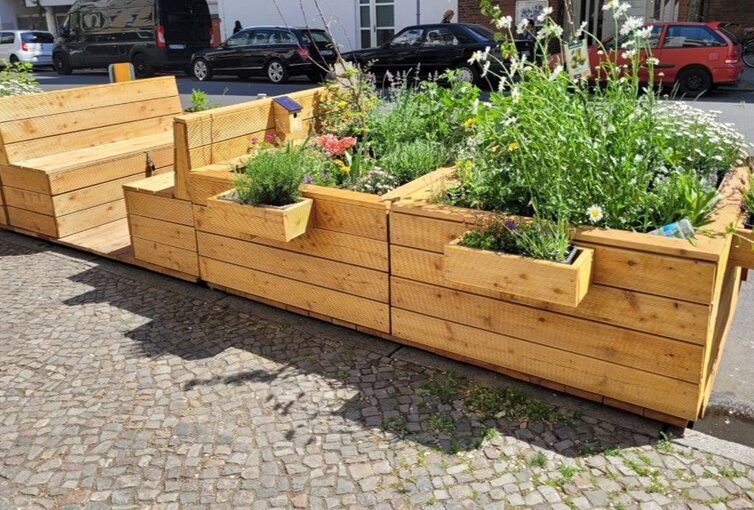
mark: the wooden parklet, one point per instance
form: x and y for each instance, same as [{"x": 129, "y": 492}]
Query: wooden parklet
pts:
[
  {"x": 65, "y": 155},
  {"x": 647, "y": 337}
]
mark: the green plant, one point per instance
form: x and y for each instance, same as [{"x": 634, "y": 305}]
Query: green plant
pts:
[
  {"x": 410, "y": 160},
  {"x": 274, "y": 176},
  {"x": 539, "y": 239},
  {"x": 441, "y": 424},
  {"x": 498, "y": 402},
  {"x": 538, "y": 460},
  {"x": 748, "y": 202},
  {"x": 685, "y": 195},
  {"x": 16, "y": 79},
  {"x": 444, "y": 389},
  {"x": 199, "y": 102}
]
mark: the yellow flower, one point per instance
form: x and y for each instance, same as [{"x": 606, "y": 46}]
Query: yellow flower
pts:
[
  {"x": 342, "y": 104},
  {"x": 513, "y": 146},
  {"x": 343, "y": 167},
  {"x": 469, "y": 122}
]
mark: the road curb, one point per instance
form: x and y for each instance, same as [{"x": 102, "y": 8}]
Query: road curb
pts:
[{"x": 709, "y": 444}]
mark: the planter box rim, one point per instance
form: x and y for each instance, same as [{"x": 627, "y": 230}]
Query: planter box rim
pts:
[{"x": 574, "y": 254}]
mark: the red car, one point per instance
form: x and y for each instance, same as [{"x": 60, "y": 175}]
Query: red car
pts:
[{"x": 694, "y": 56}]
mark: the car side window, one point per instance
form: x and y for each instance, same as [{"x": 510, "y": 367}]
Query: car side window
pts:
[
  {"x": 654, "y": 38},
  {"x": 441, "y": 36},
  {"x": 691, "y": 36},
  {"x": 239, "y": 39},
  {"x": 260, "y": 38},
  {"x": 407, "y": 38},
  {"x": 278, "y": 37}
]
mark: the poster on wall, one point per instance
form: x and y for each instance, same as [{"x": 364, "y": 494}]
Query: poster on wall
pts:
[{"x": 530, "y": 9}]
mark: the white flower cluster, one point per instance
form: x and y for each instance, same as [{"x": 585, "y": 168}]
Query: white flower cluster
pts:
[
  {"x": 617, "y": 7},
  {"x": 15, "y": 87}
]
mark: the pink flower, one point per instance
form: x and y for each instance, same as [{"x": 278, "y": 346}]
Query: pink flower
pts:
[
  {"x": 269, "y": 137},
  {"x": 253, "y": 140},
  {"x": 335, "y": 146}
]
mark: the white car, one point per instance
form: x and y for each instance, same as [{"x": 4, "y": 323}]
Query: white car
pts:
[{"x": 27, "y": 46}]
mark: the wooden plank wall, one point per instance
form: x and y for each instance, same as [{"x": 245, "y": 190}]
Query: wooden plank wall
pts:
[
  {"x": 161, "y": 226},
  {"x": 65, "y": 155}
]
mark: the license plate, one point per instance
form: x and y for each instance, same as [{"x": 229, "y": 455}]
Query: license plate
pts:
[
  {"x": 177, "y": 46},
  {"x": 325, "y": 53}
]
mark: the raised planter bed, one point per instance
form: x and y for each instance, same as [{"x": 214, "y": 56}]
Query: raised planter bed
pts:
[
  {"x": 646, "y": 337},
  {"x": 560, "y": 283},
  {"x": 274, "y": 223},
  {"x": 742, "y": 250}
]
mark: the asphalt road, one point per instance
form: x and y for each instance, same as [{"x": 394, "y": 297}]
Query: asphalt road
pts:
[{"x": 732, "y": 402}]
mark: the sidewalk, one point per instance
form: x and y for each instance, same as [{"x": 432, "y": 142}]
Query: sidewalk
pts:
[{"x": 120, "y": 388}]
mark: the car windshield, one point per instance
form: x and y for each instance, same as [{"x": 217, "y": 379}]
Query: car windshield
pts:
[
  {"x": 482, "y": 34},
  {"x": 37, "y": 37}
]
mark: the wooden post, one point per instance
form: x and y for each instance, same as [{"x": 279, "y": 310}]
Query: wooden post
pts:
[{"x": 123, "y": 71}]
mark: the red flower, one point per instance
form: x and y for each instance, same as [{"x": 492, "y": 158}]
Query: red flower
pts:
[{"x": 335, "y": 146}]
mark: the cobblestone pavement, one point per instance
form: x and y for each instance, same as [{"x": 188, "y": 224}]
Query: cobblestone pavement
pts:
[{"x": 118, "y": 391}]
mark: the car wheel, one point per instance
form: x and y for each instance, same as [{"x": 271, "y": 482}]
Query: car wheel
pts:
[
  {"x": 694, "y": 81},
  {"x": 61, "y": 63},
  {"x": 467, "y": 74},
  {"x": 277, "y": 72},
  {"x": 142, "y": 67},
  {"x": 14, "y": 59},
  {"x": 201, "y": 70}
]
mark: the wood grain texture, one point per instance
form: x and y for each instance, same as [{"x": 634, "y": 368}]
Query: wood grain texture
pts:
[
  {"x": 615, "y": 381},
  {"x": 641, "y": 312},
  {"x": 29, "y": 200},
  {"x": 32, "y": 221},
  {"x": 541, "y": 280},
  {"x": 353, "y": 309},
  {"x": 742, "y": 248},
  {"x": 164, "y": 232},
  {"x": 177, "y": 259},
  {"x": 90, "y": 218},
  {"x": 676, "y": 277},
  {"x": 160, "y": 208},
  {"x": 659, "y": 355},
  {"x": 277, "y": 224},
  {"x": 326, "y": 244},
  {"x": 334, "y": 275}
]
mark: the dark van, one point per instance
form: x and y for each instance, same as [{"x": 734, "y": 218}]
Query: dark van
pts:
[{"x": 151, "y": 34}]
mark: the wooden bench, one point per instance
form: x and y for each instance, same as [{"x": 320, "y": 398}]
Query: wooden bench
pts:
[{"x": 65, "y": 155}]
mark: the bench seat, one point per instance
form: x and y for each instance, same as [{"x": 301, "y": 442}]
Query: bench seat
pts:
[{"x": 62, "y": 170}]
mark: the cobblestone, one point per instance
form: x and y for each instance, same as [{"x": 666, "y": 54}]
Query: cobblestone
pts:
[{"x": 121, "y": 391}]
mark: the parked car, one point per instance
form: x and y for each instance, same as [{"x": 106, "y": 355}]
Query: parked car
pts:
[
  {"x": 26, "y": 46},
  {"x": 275, "y": 52},
  {"x": 432, "y": 49},
  {"x": 694, "y": 56},
  {"x": 151, "y": 34}
]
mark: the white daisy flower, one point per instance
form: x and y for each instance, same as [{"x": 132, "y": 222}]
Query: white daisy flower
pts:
[{"x": 595, "y": 214}]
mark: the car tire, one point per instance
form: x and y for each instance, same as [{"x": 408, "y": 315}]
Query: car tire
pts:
[
  {"x": 13, "y": 60},
  {"x": 61, "y": 64},
  {"x": 142, "y": 67},
  {"x": 468, "y": 73},
  {"x": 201, "y": 70},
  {"x": 694, "y": 81},
  {"x": 276, "y": 71}
]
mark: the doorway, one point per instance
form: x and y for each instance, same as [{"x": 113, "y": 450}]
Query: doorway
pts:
[{"x": 376, "y": 22}]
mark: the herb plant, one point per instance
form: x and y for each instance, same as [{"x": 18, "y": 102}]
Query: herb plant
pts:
[
  {"x": 274, "y": 176},
  {"x": 17, "y": 79},
  {"x": 199, "y": 102},
  {"x": 539, "y": 239}
]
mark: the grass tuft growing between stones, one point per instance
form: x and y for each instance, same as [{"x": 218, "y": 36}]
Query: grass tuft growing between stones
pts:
[{"x": 511, "y": 403}]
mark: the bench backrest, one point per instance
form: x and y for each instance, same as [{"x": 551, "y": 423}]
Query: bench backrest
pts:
[
  {"x": 36, "y": 125},
  {"x": 222, "y": 134}
]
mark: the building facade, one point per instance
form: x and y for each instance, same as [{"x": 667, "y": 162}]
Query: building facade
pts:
[{"x": 353, "y": 23}]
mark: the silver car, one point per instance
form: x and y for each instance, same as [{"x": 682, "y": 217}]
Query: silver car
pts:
[{"x": 26, "y": 46}]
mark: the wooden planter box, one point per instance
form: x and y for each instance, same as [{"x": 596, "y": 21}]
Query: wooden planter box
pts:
[
  {"x": 274, "y": 223},
  {"x": 742, "y": 250},
  {"x": 337, "y": 271},
  {"x": 647, "y": 336},
  {"x": 559, "y": 283}
]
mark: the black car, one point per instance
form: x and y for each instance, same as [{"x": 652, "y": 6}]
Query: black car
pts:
[
  {"x": 151, "y": 34},
  {"x": 430, "y": 50},
  {"x": 275, "y": 52}
]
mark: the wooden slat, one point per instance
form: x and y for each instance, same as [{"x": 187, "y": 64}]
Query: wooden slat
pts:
[
  {"x": 338, "y": 305},
  {"x": 206, "y": 183},
  {"x": 164, "y": 255},
  {"x": 39, "y": 147},
  {"x": 742, "y": 248},
  {"x": 110, "y": 240},
  {"x": 659, "y": 355},
  {"x": 25, "y": 178},
  {"x": 85, "y": 198},
  {"x": 91, "y": 218},
  {"x": 182, "y": 163},
  {"x": 642, "y": 312},
  {"x": 162, "y": 184},
  {"x": 81, "y": 98},
  {"x": 83, "y": 120},
  {"x": 160, "y": 208},
  {"x": 32, "y": 221},
  {"x": 29, "y": 200},
  {"x": 351, "y": 219},
  {"x": 327, "y": 244},
  {"x": 3, "y": 216},
  {"x": 590, "y": 374},
  {"x": 338, "y": 276},
  {"x": 676, "y": 277},
  {"x": 164, "y": 232}
]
